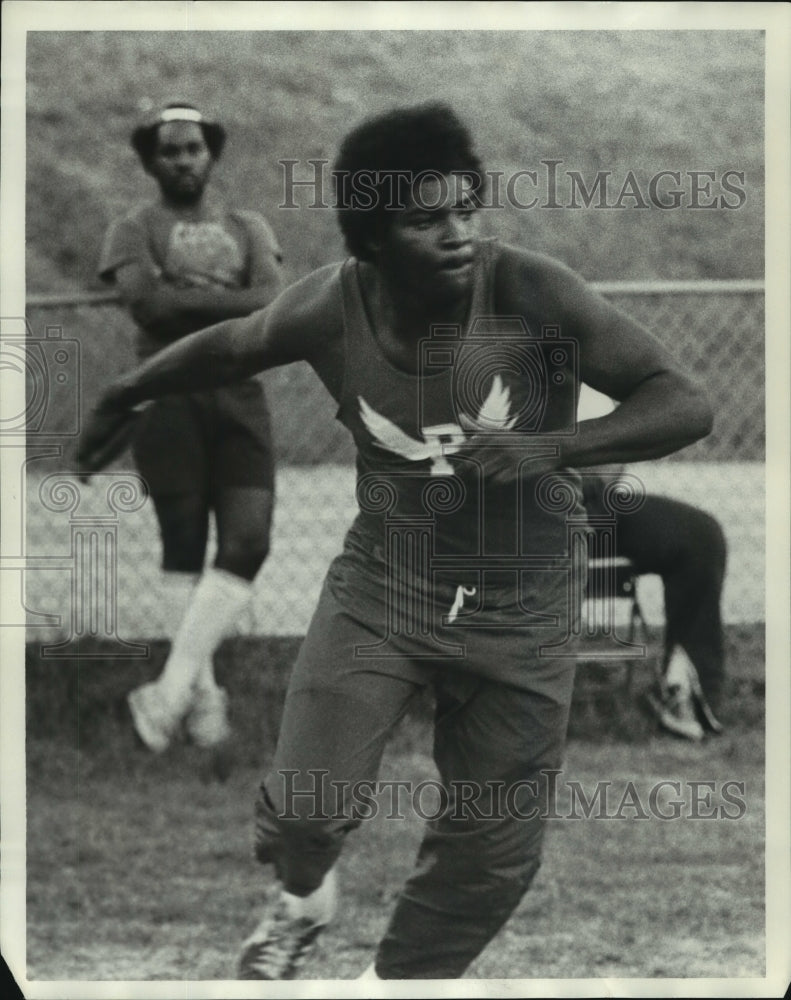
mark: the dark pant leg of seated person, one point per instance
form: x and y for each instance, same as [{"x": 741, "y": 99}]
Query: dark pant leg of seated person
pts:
[
  {"x": 687, "y": 548},
  {"x": 477, "y": 860}
]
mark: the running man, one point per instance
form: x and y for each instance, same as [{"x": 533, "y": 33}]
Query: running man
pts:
[
  {"x": 182, "y": 262},
  {"x": 443, "y": 353}
]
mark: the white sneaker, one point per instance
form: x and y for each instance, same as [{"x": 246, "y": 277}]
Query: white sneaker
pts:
[
  {"x": 154, "y": 720},
  {"x": 207, "y": 721},
  {"x": 278, "y": 946}
]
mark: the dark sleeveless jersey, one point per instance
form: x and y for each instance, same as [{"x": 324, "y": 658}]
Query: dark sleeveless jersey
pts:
[{"x": 411, "y": 465}]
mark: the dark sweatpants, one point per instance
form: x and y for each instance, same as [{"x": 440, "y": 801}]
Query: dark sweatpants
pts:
[{"x": 479, "y": 857}]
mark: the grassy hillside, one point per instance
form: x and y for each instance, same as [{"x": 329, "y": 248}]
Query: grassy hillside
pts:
[
  {"x": 644, "y": 101},
  {"x": 617, "y": 102}
]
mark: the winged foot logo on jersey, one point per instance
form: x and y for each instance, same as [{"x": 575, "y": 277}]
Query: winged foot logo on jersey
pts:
[{"x": 438, "y": 440}]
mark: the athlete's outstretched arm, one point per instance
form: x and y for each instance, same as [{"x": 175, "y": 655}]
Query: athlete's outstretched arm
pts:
[
  {"x": 289, "y": 329},
  {"x": 292, "y": 328}
]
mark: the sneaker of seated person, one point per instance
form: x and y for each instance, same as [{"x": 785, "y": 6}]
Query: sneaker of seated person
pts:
[{"x": 676, "y": 712}]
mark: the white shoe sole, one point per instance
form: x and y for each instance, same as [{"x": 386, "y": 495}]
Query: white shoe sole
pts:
[{"x": 689, "y": 730}]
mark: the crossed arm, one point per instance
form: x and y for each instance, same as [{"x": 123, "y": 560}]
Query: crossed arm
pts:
[
  {"x": 291, "y": 328},
  {"x": 169, "y": 311}
]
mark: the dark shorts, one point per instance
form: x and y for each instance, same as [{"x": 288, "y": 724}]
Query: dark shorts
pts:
[{"x": 204, "y": 442}]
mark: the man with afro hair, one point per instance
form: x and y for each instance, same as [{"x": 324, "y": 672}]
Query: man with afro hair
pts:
[{"x": 455, "y": 362}]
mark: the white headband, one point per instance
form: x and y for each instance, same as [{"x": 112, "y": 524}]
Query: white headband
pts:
[{"x": 181, "y": 115}]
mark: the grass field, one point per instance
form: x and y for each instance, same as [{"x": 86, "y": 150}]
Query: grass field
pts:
[
  {"x": 155, "y": 880},
  {"x": 140, "y": 868}
]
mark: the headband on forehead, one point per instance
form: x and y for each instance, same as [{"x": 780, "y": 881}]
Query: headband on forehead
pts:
[
  {"x": 181, "y": 115},
  {"x": 144, "y": 138}
]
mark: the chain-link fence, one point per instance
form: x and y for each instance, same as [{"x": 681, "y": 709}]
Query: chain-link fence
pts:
[{"x": 715, "y": 329}]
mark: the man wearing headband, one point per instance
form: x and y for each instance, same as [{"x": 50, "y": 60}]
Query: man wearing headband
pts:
[{"x": 181, "y": 262}]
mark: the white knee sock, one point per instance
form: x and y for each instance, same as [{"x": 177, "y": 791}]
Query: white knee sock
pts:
[
  {"x": 178, "y": 589},
  {"x": 217, "y": 602}
]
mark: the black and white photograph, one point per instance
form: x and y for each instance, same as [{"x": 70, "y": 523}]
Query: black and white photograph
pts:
[{"x": 395, "y": 499}]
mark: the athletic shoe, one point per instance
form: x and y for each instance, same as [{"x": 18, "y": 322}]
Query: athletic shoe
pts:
[
  {"x": 676, "y": 713},
  {"x": 278, "y": 946},
  {"x": 207, "y": 722},
  {"x": 369, "y": 975},
  {"x": 153, "y": 720}
]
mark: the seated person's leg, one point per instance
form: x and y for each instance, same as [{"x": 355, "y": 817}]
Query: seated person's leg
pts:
[{"x": 686, "y": 547}]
